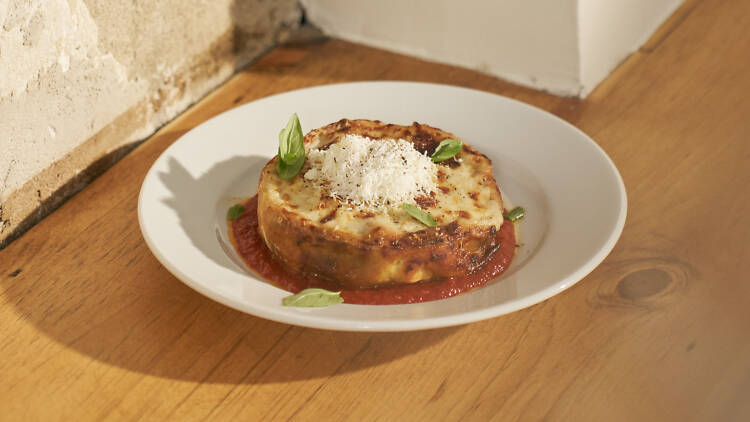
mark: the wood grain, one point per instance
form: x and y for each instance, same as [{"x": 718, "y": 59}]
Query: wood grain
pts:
[{"x": 93, "y": 328}]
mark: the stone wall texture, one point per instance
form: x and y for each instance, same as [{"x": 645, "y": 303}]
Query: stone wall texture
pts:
[{"x": 82, "y": 81}]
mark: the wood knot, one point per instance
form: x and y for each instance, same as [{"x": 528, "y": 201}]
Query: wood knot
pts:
[
  {"x": 647, "y": 283},
  {"x": 643, "y": 283}
]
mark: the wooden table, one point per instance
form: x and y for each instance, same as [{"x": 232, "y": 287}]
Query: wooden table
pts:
[{"x": 94, "y": 328}]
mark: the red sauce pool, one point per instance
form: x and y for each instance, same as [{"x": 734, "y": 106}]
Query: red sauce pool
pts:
[{"x": 250, "y": 246}]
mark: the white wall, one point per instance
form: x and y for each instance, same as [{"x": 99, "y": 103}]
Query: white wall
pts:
[
  {"x": 532, "y": 42},
  {"x": 562, "y": 46},
  {"x": 610, "y": 30}
]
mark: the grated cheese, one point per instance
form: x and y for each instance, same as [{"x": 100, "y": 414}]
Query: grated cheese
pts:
[{"x": 372, "y": 173}]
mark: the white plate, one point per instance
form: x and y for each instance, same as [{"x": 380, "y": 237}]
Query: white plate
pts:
[{"x": 573, "y": 194}]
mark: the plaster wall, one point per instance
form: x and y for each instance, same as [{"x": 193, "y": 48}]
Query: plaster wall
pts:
[{"x": 82, "y": 80}]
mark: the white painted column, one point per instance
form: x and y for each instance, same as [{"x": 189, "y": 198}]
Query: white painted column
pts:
[{"x": 562, "y": 46}]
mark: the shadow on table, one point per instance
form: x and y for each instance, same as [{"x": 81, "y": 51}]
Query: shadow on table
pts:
[
  {"x": 118, "y": 305},
  {"x": 163, "y": 328},
  {"x": 201, "y": 216}
]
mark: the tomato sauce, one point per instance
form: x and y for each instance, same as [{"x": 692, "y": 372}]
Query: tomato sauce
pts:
[{"x": 250, "y": 246}]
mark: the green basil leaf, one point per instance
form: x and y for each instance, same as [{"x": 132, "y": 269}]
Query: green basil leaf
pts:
[
  {"x": 291, "y": 145},
  {"x": 422, "y": 216},
  {"x": 288, "y": 171},
  {"x": 235, "y": 212},
  {"x": 515, "y": 214},
  {"x": 313, "y": 298},
  {"x": 446, "y": 149},
  {"x": 291, "y": 149}
]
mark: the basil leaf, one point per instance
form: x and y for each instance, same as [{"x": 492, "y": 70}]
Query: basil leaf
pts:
[
  {"x": 235, "y": 212},
  {"x": 291, "y": 145},
  {"x": 313, "y": 298},
  {"x": 288, "y": 171},
  {"x": 515, "y": 214},
  {"x": 422, "y": 216},
  {"x": 446, "y": 149},
  {"x": 291, "y": 149}
]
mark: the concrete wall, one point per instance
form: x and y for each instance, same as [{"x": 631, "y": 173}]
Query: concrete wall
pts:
[
  {"x": 562, "y": 46},
  {"x": 82, "y": 80}
]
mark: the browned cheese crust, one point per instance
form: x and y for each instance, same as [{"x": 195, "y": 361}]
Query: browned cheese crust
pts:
[{"x": 316, "y": 234}]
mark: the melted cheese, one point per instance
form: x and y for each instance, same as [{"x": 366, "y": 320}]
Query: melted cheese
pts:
[{"x": 373, "y": 174}]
